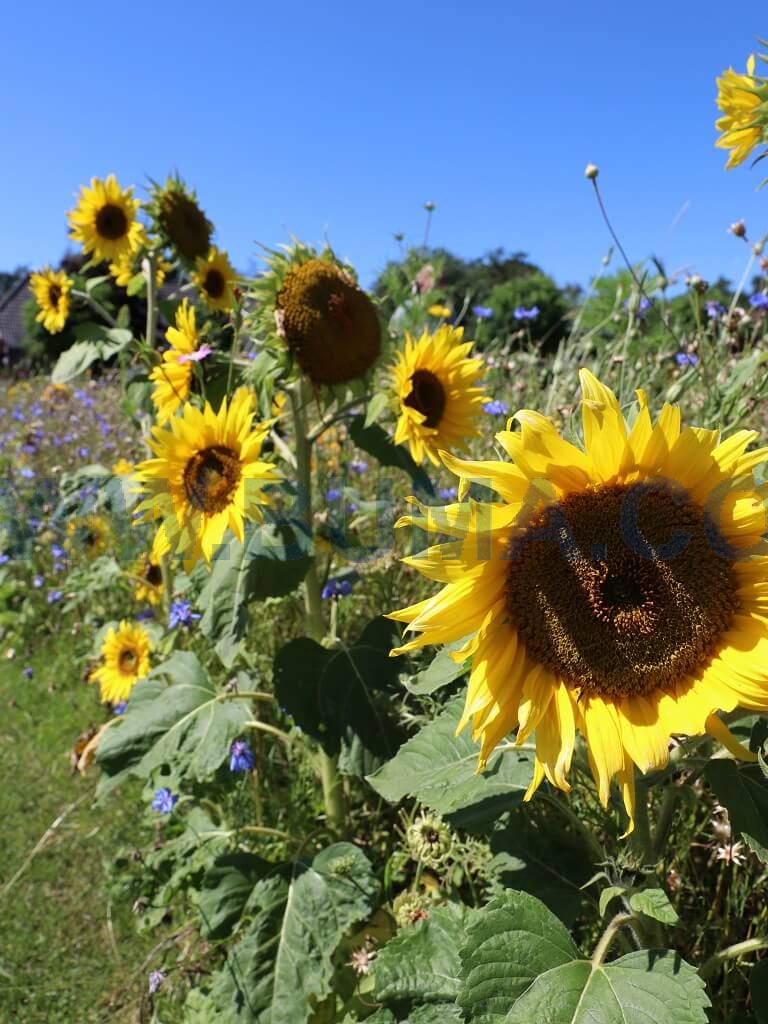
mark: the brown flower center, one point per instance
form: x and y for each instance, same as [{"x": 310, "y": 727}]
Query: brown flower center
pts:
[
  {"x": 54, "y": 295},
  {"x": 111, "y": 222},
  {"x": 427, "y": 397},
  {"x": 128, "y": 661},
  {"x": 211, "y": 477},
  {"x": 214, "y": 283},
  {"x": 153, "y": 574},
  {"x": 622, "y": 590}
]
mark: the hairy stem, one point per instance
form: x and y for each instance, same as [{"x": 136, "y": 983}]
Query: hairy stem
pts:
[
  {"x": 614, "y": 926},
  {"x": 709, "y": 967}
]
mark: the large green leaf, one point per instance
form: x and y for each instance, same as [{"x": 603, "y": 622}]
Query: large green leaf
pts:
[
  {"x": 377, "y": 442},
  {"x": 440, "y": 671},
  {"x": 96, "y": 342},
  {"x": 343, "y": 698},
  {"x": 226, "y": 889},
  {"x": 422, "y": 962},
  {"x": 743, "y": 791},
  {"x": 188, "y": 723},
  {"x": 272, "y": 563},
  {"x": 542, "y": 859},
  {"x": 439, "y": 768}
]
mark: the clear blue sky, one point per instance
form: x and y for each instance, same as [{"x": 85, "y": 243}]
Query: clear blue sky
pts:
[{"x": 344, "y": 118}]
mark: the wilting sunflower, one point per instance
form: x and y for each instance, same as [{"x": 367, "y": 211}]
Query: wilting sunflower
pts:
[
  {"x": 180, "y": 221},
  {"x": 741, "y": 98},
  {"x": 436, "y": 380},
  {"x": 214, "y": 278},
  {"x": 104, "y": 220},
  {"x": 51, "y": 289},
  {"x": 617, "y": 590},
  {"x": 148, "y": 572},
  {"x": 206, "y": 475},
  {"x": 172, "y": 376},
  {"x": 125, "y": 660},
  {"x": 90, "y": 535}
]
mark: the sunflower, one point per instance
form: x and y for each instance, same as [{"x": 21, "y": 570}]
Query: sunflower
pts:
[
  {"x": 206, "y": 475},
  {"x": 172, "y": 377},
  {"x": 180, "y": 221},
  {"x": 148, "y": 572},
  {"x": 126, "y": 267},
  {"x": 617, "y": 590},
  {"x": 104, "y": 220},
  {"x": 740, "y": 99},
  {"x": 125, "y": 660},
  {"x": 123, "y": 467},
  {"x": 51, "y": 289},
  {"x": 88, "y": 534},
  {"x": 214, "y": 278},
  {"x": 435, "y": 382}
]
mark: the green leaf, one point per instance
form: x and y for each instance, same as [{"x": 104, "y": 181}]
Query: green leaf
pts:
[
  {"x": 377, "y": 405},
  {"x": 188, "y": 724},
  {"x": 335, "y": 696},
  {"x": 509, "y": 944},
  {"x": 758, "y": 991},
  {"x": 440, "y": 671},
  {"x": 272, "y": 563},
  {"x": 226, "y": 888},
  {"x": 647, "y": 985},
  {"x": 422, "y": 962},
  {"x": 609, "y": 893},
  {"x": 541, "y": 858},
  {"x": 377, "y": 442},
  {"x": 654, "y": 903},
  {"x": 743, "y": 791},
  {"x": 101, "y": 343},
  {"x": 439, "y": 1013},
  {"x": 439, "y": 768}
]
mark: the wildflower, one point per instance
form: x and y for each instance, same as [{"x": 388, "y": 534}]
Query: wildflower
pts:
[
  {"x": 482, "y": 312},
  {"x": 496, "y": 408},
  {"x": 241, "y": 757},
  {"x": 447, "y": 493},
  {"x": 521, "y": 313},
  {"x": 591, "y": 171},
  {"x": 438, "y": 310},
  {"x": 119, "y": 708},
  {"x": 361, "y": 959},
  {"x": 630, "y": 645},
  {"x": 124, "y": 661},
  {"x": 732, "y": 853},
  {"x": 336, "y": 588},
  {"x": 27, "y": 672},
  {"x": 54, "y": 596},
  {"x": 4, "y": 559},
  {"x": 58, "y": 551},
  {"x": 215, "y": 278},
  {"x": 686, "y": 359},
  {"x": 758, "y": 301},
  {"x": 410, "y": 907},
  {"x": 740, "y": 101},
  {"x": 164, "y": 800},
  {"x": 27, "y": 473},
  {"x": 51, "y": 289},
  {"x": 333, "y": 494},
  {"x": 123, "y": 468},
  {"x": 83, "y": 452},
  {"x": 436, "y": 382},
  {"x": 195, "y": 357},
  {"x": 38, "y": 581},
  {"x": 181, "y": 614},
  {"x": 157, "y": 978},
  {"x": 104, "y": 220},
  {"x": 638, "y": 306},
  {"x": 358, "y": 465},
  {"x": 714, "y": 309}
]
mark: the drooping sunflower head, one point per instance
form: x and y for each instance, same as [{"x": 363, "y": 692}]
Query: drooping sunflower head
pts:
[
  {"x": 172, "y": 377},
  {"x": 328, "y": 323},
  {"x": 124, "y": 661},
  {"x": 89, "y": 535},
  {"x": 207, "y": 476},
  {"x": 215, "y": 279},
  {"x": 148, "y": 573},
  {"x": 180, "y": 222},
  {"x": 51, "y": 289},
  {"x": 105, "y": 220},
  {"x": 744, "y": 124},
  {"x": 436, "y": 385},
  {"x": 615, "y": 589}
]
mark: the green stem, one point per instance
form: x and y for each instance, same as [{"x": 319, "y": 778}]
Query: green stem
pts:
[
  {"x": 709, "y": 967},
  {"x": 96, "y": 306},
  {"x": 601, "y": 949},
  {"x": 641, "y": 838},
  {"x": 333, "y": 794},
  {"x": 148, "y": 267},
  {"x": 665, "y": 819}
]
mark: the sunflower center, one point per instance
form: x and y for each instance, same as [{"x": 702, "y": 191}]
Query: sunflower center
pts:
[
  {"x": 210, "y": 478},
  {"x": 153, "y": 574},
  {"x": 54, "y": 294},
  {"x": 128, "y": 661},
  {"x": 111, "y": 222},
  {"x": 214, "y": 283},
  {"x": 427, "y": 397},
  {"x": 621, "y": 590}
]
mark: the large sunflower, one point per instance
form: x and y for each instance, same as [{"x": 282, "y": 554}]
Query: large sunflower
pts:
[
  {"x": 172, "y": 377},
  {"x": 435, "y": 382},
  {"x": 215, "y": 277},
  {"x": 617, "y": 590},
  {"x": 104, "y": 220},
  {"x": 206, "y": 475},
  {"x": 739, "y": 97},
  {"x": 51, "y": 289},
  {"x": 125, "y": 660}
]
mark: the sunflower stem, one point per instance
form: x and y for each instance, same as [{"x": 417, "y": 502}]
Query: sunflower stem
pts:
[
  {"x": 148, "y": 266},
  {"x": 641, "y": 837},
  {"x": 333, "y": 793},
  {"x": 95, "y": 306},
  {"x": 738, "y": 949},
  {"x": 614, "y": 926}
]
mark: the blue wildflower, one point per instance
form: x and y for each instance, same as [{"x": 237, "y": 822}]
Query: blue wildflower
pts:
[
  {"x": 241, "y": 757},
  {"x": 27, "y": 672},
  {"x": 181, "y": 614},
  {"x": 58, "y": 551},
  {"x": 54, "y": 596},
  {"x": 358, "y": 465},
  {"x": 145, "y": 614},
  {"x": 686, "y": 359},
  {"x": 448, "y": 493},
  {"x": 333, "y": 494},
  {"x": 27, "y": 473},
  {"x": 164, "y": 800},
  {"x": 4, "y": 559},
  {"x": 495, "y": 408},
  {"x": 38, "y": 581},
  {"x": 521, "y": 313},
  {"x": 759, "y": 301},
  {"x": 336, "y": 588},
  {"x": 640, "y": 308},
  {"x": 156, "y": 979},
  {"x": 482, "y": 312},
  {"x": 119, "y": 708},
  {"x": 714, "y": 309}
]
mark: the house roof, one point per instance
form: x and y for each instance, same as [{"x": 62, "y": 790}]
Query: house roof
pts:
[{"x": 11, "y": 321}]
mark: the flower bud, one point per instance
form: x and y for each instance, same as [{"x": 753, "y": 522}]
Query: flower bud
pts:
[
  {"x": 739, "y": 229},
  {"x": 591, "y": 171}
]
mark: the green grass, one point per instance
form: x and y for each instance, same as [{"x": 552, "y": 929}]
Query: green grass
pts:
[{"x": 67, "y": 954}]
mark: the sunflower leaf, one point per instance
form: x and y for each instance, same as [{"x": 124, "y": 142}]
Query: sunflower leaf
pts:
[
  {"x": 96, "y": 342},
  {"x": 377, "y": 442},
  {"x": 654, "y": 903},
  {"x": 440, "y": 671}
]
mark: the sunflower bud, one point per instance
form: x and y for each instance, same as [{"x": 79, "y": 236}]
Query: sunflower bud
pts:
[
  {"x": 329, "y": 324},
  {"x": 429, "y": 840},
  {"x": 410, "y": 908}
]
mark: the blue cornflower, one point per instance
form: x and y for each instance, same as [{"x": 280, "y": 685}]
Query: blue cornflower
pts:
[
  {"x": 358, "y": 465},
  {"x": 120, "y": 707},
  {"x": 241, "y": 757},
  {"x": 640, "y": 308},
  {"x": 29, "y": 448},
  {"x": 58, "y": 551},
  {"x": 156, "y": 979},
  {"x": 181, "y": 614},
  {"x": 18, "y": 415},
  {"x": 27, "y": 672},
  {"x": 482, "y": 312},
  {"x": 164, "y": 800},
  {"x": 4, "y": 559},
  {"x": 521, "y": 313},
  {"x": 33, "y": 523},
  {"x": 714, "y": 309},
  {"x": 333, "y": 494},
  {"x": 759, "y": 301},
  {"x": 38, "y": 581},
  {"x": 495, "y": 408},
  {"x": 27, "y": 473},
  {"x": 448, "y": 493},
  {"x": 54, "y": 596},
  {"x": 686, "y": 359},
  {"x": 336, "y": 588},
  {"x": 144, "y": 614}
]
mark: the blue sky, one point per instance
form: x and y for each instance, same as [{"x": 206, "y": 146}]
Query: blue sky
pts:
[{"x": 344, "y": 118}]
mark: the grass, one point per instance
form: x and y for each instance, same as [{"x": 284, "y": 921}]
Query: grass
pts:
[{"x": 67, "y": 954}]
